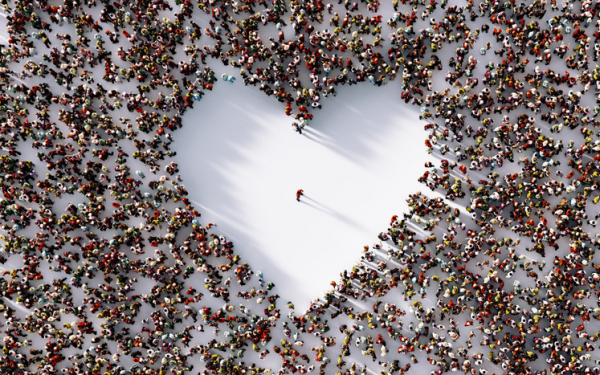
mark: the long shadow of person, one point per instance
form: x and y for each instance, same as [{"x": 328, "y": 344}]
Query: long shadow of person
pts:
[{"x": 328, "y": 210}]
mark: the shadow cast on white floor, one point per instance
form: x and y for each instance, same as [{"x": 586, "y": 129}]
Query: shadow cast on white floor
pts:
[{"x": 357, "y": 162}]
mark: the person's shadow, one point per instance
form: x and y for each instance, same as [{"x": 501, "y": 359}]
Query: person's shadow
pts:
[{"x": 328, "y": 211}]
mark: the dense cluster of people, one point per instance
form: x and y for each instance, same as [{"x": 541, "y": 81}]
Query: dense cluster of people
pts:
[{"x": 103, "y": 265}]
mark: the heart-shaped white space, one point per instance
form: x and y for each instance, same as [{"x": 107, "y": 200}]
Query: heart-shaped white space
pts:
[{"x": 357, "y": 161}]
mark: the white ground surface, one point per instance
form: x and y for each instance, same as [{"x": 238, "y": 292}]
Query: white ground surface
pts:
[{"x": 357, "y": 162}]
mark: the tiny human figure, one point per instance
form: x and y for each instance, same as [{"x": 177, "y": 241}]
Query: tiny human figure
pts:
[
  {"x": 297, "y": 127},
  {"x": 299, "y": 193}
]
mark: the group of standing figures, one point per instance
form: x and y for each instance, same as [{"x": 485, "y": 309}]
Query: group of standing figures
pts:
[{"x": 109, "y": 269}]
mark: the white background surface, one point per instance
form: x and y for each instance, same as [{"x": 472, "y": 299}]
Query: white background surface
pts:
[{"x": 357, "y": 162}]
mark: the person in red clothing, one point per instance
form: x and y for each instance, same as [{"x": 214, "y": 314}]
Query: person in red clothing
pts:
[{"x": 299, "y": 193}]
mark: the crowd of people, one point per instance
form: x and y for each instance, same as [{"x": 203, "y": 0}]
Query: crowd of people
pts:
[{"x": 109, "y": 269}]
